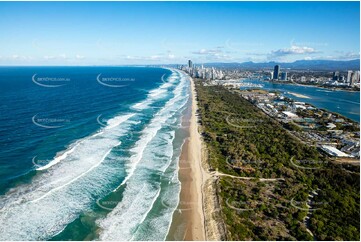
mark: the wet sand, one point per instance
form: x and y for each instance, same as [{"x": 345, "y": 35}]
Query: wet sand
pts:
[
  {"x": 188, "y": 219},
  {"x": 299, "y": 95}
]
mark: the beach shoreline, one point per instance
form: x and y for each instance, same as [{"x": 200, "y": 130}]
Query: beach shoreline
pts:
[
  {"x": 299, "y": 95},
  {"x": 188, "y": 218},
  {"x": 335, "y": 88}
]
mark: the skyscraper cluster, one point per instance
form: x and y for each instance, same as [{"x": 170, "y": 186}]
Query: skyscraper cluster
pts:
[
  {"x": 352, "y": 78},
  {"x": 202, "y": 72},
  {"x": 190, "y": 64},
  {"x": 276, "y": 74}
]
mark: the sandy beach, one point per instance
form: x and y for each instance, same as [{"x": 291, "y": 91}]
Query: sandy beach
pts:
[
  {"x": 299, "y": 95},
  {"x": 188, "y": 219}
]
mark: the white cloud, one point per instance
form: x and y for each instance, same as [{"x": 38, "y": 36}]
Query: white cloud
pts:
[
  {"x": 20, "y": 57},
  {"x": 216, "y": 54},
  {"x": 49, "y": 57},
  {"x": 294, "y": 50},
  {"x": 54, "y": 57},
  {"x": 338, "y": 55},
  {"x": 159, "y": 57},
  {"x": 341, "y": 55},
  {"x": 207, "y": 52},
  {"x": 79, "y": 57}
]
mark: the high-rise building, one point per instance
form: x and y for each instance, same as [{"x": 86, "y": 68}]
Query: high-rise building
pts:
[
  {"x": 355, "y": 78},
  {"x": 284, "y": 76},
  {"x": 349, "y": 74},
  {"x": 190, "y": 64},
  {"x": 276, "y": 72},
  {"x": 335, "y": 75}
]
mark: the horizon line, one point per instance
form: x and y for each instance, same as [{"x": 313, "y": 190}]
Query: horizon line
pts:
[{"x": 163, "y": 64}]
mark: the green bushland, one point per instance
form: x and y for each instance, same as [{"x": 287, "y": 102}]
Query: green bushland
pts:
[{"x": 243, "y": 141}]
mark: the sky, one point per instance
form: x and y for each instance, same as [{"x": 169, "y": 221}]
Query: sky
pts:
[{"x": 127, "y": 33}]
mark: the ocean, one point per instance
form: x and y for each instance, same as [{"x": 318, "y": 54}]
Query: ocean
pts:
[
  {"x": 345, "y": 103},
  {"x": 90, "y": 153}
]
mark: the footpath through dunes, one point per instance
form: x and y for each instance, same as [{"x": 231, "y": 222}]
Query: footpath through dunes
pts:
[
  {"x": 273, "y": 206},
  {"x": 93, "y": 167}
]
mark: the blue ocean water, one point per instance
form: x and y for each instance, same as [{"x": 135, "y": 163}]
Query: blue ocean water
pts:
[
  {"x": 343, "y": 102},
  {"x": 89, "y": 152}
]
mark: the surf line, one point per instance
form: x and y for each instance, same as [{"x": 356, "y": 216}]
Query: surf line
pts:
[{"x": 76, "y": 178}]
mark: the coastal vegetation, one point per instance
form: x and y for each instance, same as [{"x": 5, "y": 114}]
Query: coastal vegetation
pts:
[{"x": 292, "y": 191}]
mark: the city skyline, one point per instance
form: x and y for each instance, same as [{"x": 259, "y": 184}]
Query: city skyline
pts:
[{"x": 121, "y": 33}]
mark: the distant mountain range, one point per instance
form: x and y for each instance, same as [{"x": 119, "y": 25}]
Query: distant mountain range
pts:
[{"x": 325, "y": 65}]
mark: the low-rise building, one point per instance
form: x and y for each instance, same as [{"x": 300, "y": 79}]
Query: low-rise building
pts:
[
  {"x": 333, "y": 151},
  {"x": 289, "y": 115}
]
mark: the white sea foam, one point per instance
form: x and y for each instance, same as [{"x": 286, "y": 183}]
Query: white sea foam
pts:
[
  {"x": 156, "y": 94},
  {"x": 41, "y": 209},
  {"x": 153, "y": 154},
  {"x": 116, "y": 121},
  {"x": 140, "y": 105},
  {"x": 56, "y": 196},
  {"x": 111, "y": 123},
  {"x": 155, "y": 125},
  {"x": 59, "y": 158},
  {"x": 141, "y": 192},
  {"x": 77, "y": 177}
]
